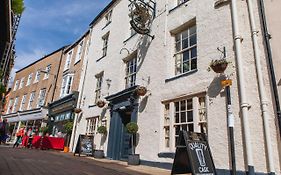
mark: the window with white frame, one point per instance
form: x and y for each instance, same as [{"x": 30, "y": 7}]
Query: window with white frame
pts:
[
  {"x": 66, "y": 85},
  {"x": 189, "y": 114},
  {"x": 131, "y": 72},
  {"x": 68, "y": 60},
  {"x": 37, "y": 76},
  {"x": 47, "y": 72},
  {"x": 91, "y": 125},
  {"x": 186, "y": 50},
  {"x": 21, "y": 83},
  {"x": 79, "y": 51},
  {"x": 29, "y": 79},
  {"x": 16, "y": 85},
  {"x": 10, "y": 106},
  {"x": 41, "y": 98},
  {"x": 108, "y": 17},
  {"x": 105, "y": 44},
  {"x": 31, "y": 100},
  {"x": 99, "y": 78},
  {"x": 15, "y": 104},
  {"x": 23, "y": 100}
]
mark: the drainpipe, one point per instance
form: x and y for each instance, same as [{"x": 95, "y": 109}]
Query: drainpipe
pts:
[
  {"x": 241, "y": 85},
  {"x": 270, "y": 62},
  {"x": 263, "y": 100}
]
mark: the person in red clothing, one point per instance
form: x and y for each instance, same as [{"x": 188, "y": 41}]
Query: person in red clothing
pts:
[{"x": 20, "y": 134}]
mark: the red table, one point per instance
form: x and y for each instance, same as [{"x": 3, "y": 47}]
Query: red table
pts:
[
  {"x": 45, "y": 142},
  {"x": 52, "y": 143}
]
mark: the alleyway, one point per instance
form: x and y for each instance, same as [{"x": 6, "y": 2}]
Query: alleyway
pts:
[{"x": 38, "y": 162}]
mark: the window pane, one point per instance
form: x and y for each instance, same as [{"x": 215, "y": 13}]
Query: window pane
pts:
[
  {"x": 185, "y": 34},
  {"x": 193, "y": 64},
  {"x": 178, "y": 46},
  {"x": 185, "y": 43},
  {"x": 193, "y": 40},
  {"x": 177, "y": 106},
  {"x": 178, "y": 69},
  {"x": 183, "y": 105},
  {"x": 177, "y": 118},
  {"x": 193, "y": 52},
  {"x": 192, "y": 30},
  {"x": 189, "y": 104},
  {"x": 184, "y": 127},
  {"x": 183, "y": 117},
  {"x": 190, "y": 128},
  {"x": 186, "y": 67},
  {"x": 185, "y": 56},
  {"x": 177, "y": 129},
  {"x": 189, "y": 116}
]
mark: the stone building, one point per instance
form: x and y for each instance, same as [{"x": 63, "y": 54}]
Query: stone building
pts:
[
  {"x": 182, "y": 94},
  {"x": 61, "y": 109},
  {"x": 33, "y": 89}
]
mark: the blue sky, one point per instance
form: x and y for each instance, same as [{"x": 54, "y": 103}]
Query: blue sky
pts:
[{"x": 47, "y": 25}]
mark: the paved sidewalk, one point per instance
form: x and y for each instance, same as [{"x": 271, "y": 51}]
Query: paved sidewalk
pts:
[{"x": 20, "y": 161}]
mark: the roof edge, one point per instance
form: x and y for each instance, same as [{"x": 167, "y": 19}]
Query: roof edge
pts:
[{"x": 62, "y": 48}]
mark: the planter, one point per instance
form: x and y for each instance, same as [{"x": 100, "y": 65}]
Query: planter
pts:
[
  {"x": 77, "y": 110},
  {"x": 66, "y": 149},
  {"x": 99, "y": 154},
  {"x": 219, "y": 68},
  {"x": 100, "y": 103},
  {"x": 141, "y": 90},
  {"x": 134, "y": 159}
]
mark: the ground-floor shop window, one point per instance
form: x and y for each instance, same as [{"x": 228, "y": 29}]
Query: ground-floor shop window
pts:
[{"x": 189, "y": 114}]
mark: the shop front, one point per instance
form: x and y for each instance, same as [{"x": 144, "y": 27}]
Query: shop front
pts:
[
  {"x": 30, "y": 119},
  {"x": 61, "y": 113}
]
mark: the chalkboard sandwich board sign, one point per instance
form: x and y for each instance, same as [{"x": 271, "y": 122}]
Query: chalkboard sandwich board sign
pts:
[
  {"x": 85, "y": 145},
  {"x": 193, "y": 155}
]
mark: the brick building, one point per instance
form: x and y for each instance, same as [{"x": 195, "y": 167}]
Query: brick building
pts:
[{"x": 33, "y": 89}]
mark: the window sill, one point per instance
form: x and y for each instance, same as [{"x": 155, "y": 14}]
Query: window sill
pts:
[
  {"x": 100, "y": 58},
  {"x": 106, "y": 25},
  {"x": 91, "y": 106},
  {"x": 181, "y": 75},
  {"x": 77, "y": 61},
  {"x": 181, "y": 4},
  {"x": 130, "y": 38}
]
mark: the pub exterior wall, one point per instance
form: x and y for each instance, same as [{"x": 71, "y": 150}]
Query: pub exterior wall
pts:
[{"x": 156, "y": 72}]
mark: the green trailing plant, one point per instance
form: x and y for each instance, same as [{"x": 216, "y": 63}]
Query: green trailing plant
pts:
[
  {"x": 18, "y": 6},
  {"x": 43, "y": 130},
  {"x": 217, "y": 62},
  {"x": 132, "y": 128},
  {"x": 102, "y": 130},
  {"x": 68, "y": 127}
]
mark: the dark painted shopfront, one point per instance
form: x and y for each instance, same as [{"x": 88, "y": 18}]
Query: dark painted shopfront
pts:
[
  {"x": 62, "y": 111},
  {"x": 124, "y": 109}
]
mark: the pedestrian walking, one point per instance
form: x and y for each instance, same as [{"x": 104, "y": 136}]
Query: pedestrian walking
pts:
[
  {"x": 19, "y": 134},
  {"x": 3, "y": 131}
]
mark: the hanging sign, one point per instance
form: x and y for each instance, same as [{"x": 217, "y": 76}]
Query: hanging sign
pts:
[
  {"x": 193, "y": 155},
  {"x": 142, "y": 14}
]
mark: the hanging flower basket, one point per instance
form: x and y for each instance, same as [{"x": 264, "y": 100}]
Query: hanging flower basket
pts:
[
  {"x": 219, "y": 66},
  {"x": 100, "y": 103},
  {"x": 77, "y": 110},
  {"x": 141, "y": 90}
]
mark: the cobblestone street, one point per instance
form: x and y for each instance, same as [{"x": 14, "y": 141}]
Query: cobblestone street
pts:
[{"x": 38, "y": 162}]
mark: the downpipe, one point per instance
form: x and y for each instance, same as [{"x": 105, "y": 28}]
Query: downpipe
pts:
[
  {"x": 270, "y": 62},
  {"x": 263, "y": 100},
  {"x": 241, "y": 85}
]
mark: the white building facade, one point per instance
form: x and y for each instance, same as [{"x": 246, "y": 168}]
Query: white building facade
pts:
[{"x": 182, "y": 93}]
